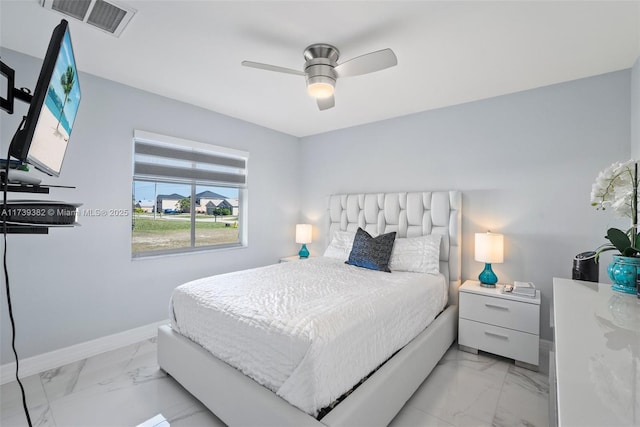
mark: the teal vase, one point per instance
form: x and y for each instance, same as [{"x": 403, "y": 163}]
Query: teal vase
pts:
[{"x": 623, "y": 272}]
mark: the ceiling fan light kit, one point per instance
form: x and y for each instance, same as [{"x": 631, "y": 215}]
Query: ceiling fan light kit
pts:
[
  {"x": 319, "y": 89},
  {"x": 321, "y": 69}
]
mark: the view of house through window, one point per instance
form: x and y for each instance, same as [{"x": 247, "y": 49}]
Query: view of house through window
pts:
[
  {"x": 162, "y": 216},
  {"x": 186, "y": 195}
]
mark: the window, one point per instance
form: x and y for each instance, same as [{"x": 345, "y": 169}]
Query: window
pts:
[{"x": 187, "y": 196}]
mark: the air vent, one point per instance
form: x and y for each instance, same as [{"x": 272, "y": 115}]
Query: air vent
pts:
[{"x": 108, "y": 16}]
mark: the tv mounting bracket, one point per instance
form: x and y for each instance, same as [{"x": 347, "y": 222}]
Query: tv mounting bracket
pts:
[{"x": 23, "y": 94}]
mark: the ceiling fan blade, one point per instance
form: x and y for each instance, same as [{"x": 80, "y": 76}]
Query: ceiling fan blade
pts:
[
  {"x": 367, "y": 63},
  {"x": 326, "y": 103},
  {"x": 272, "y": 68}
]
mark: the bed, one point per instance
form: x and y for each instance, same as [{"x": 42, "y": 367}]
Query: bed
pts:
[{"x": 237, "y": 399}]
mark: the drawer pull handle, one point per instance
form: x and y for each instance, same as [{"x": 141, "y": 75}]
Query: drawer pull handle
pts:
[
  {"x": 493, "y": 334},
  {"x": 497, "y": 306}
]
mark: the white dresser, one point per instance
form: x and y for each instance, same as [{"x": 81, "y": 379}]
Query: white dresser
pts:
[
  {"x": 597, "y": 355},
  {"x": 499, "y": 323}
]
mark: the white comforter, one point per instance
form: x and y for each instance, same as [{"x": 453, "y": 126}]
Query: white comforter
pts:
[{"x": 308, "y": 330}]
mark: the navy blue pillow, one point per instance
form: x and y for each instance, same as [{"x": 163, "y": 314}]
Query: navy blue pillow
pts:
[{"x": 373, "y": 253}]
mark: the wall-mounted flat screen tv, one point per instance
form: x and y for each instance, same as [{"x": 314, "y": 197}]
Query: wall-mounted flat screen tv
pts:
[{"x": 43, "y": 139}]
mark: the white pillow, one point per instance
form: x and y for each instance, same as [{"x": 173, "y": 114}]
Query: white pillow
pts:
[
  {"x": 417, "y": 254},
  {"x": 340, "y": 246}
]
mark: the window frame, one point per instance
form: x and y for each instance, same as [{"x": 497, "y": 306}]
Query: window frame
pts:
[{"x": 149, "y": 137}]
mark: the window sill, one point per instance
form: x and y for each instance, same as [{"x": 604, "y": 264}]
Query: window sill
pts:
[{"x": 187, "y": 251}]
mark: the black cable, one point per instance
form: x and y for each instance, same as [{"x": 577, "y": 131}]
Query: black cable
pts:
[{"x": 6, "y": 279}]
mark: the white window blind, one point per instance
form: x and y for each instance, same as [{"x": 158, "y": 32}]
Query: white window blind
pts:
[{"x": 169, "y": 159}]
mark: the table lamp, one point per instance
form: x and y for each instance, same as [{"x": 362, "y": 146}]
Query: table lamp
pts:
[
  {"x": 490, "y": 250},
  {"x": 303, "y": 235}
]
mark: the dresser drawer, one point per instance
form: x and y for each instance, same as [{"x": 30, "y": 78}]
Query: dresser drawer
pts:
[
  {"x": 503, "y": 312},
  {"x": 506, "y": 342}
]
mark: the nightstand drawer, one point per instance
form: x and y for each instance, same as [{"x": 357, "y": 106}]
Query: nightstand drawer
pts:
[
  {"x": 500, "y": 312},
  {"x": 505, "y": 342}
]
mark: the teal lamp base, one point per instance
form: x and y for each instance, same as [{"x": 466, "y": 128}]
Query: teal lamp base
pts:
[
  {"x": 304, "y": 252},
  {"x": 488, "y": 278}
]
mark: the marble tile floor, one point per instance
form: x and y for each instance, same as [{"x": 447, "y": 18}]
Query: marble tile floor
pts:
[{"x": 125, "y": 387}]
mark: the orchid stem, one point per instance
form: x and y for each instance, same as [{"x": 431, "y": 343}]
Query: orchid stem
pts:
[{"x": 634, "y": 203}]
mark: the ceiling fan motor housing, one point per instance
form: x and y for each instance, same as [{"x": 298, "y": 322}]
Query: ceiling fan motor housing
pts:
[{"x": 321, "y": 60}]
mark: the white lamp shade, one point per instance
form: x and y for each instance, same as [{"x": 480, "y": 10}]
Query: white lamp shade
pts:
[
  {"x": 489, "y": 247},
  {"x": 303, "y": 233}
]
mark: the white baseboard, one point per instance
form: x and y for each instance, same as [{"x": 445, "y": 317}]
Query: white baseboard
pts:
[{"x": 54, "y": 359}]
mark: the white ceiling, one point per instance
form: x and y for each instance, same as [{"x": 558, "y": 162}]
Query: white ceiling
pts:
[{"x": 448, "y": 52}]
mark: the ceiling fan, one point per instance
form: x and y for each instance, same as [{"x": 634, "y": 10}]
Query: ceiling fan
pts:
[{"x": 321, "y": 69}]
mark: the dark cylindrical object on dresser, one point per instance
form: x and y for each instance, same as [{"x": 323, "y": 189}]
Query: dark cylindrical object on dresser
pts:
[{"x": 585, "y": 267}]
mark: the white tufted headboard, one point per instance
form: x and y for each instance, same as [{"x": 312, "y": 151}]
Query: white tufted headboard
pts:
[{"x": 409, "y": 215}]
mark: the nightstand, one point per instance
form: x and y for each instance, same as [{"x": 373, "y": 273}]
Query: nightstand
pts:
[
  {"x": 292, "y": 258},
  {"x": 499, "y": 323}
]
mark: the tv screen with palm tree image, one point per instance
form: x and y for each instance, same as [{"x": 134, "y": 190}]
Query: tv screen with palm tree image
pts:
[{"x": 43, "y": 140}]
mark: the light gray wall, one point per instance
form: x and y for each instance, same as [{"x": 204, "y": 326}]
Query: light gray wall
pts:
[
  {"x": 635, "y": 110},
  {"x": 79, "y": 284},
  {"x": 525, "y": 164}
]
